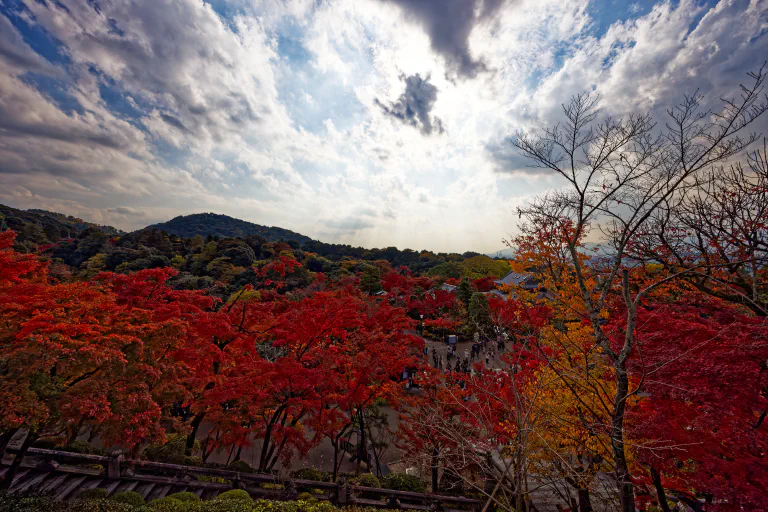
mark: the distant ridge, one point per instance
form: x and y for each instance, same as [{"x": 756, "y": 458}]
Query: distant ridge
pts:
[
  {"x": 52, "y": 225},
  {"x": 224, "y": 226}
]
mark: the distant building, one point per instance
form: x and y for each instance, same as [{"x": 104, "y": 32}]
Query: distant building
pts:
[
  {"x": 523, "y": 280},
  {"x": 498, "y": 293},
  {"x": 448, "y": 288}
]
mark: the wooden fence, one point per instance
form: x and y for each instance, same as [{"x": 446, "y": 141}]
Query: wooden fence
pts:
[{"x": 65, "y": 475}]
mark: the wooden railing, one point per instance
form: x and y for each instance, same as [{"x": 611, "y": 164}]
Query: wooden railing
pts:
[{"x": 159, "y": 479}]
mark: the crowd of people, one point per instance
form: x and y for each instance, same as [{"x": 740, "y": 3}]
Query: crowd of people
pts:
[{"x": 481, "y": 350}]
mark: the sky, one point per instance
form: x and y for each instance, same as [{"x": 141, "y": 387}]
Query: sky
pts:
[{"x": 369, "y": 122}]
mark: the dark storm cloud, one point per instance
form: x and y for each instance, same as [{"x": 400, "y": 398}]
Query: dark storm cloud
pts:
[
  {"x": 448, "y": 24},
  {"x": 414, "y": 106}
]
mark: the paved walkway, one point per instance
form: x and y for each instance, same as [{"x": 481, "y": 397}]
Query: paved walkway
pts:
[{"x": 464, "y": 350}]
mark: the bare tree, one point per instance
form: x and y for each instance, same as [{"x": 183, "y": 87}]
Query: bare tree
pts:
[
  {"x": 618, "y": 174},
  {"x": 721, "y": 221}
]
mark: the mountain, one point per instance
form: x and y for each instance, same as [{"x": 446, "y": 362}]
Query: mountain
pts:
[
  {"x": 41, "y": 226},
  {"x": 224, "y": 226},
  {"x": 506, "y": 253}
]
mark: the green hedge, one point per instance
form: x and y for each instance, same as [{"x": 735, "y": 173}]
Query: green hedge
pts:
[
  {"x": 366, "y": 480},
  {"x": 131, "y": 498},
  {"x": 12, "y": 503},
  {"x": 94, "y": 494},
  {"x": 403, "y": 482},
  {"x": 234, "y": 494},
  {"x": 185, "y": 496}
]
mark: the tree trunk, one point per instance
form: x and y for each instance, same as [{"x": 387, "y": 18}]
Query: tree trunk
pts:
[
  {"x": 239, "y": 452},
  {"x": 621, "y": 468},
  {"x": 362, "y": 452},
  {"x": 435, "y": 482},
  {"x": 623, "y": 479},
  {"x": 335, "y": 445},
  {"x": 373, "y": 450},
  {"x": 656, "y": 478},
  {"x": 75, "y": 432},
  {"x": 266, "y": 449},
  {"x": 5, "y": 484},
  {"x": 585, "y": 505},
  {"x": 196, "y": 422}
]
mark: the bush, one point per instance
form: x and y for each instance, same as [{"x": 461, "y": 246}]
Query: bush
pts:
[
  {"x": 234, "y": 494},
  {"x": 168, "y": 504},
  {"x": 47, "y": 443},
  {"x": 310, "y": 474},
  {"x": 305, "y": 496},
  {"x": 15, "y": 503},
  {"x": 82, "y": 447},
  {"x": 230, "y": 506},
  {"x": 275, "y": 506},
  {"x": 173, "y": 451},
  {"x": 94, "y": 494},
  {"x": 193, "y": 460},
  {"x": 241, "y": 466},
  {"x": 316, "y": 506},
  {"x": 403, "y": 482},
  {"x": 95, "y": 506},
  {"x": 184, "y": 496},
  {"x": 129, "y": 498},
  {"x": 366, "y": 480}
]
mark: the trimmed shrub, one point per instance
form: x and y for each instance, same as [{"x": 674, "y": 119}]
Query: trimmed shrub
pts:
[
  {"x": 82, "y": 447},
  {"x": 172, "y": 452},
  {"x": 47, "y": 443},
  {"x": 193, "y": 460},
  {"x": 94, "y": 494},
  {"x": 184, "y": 496},
  {"x": 15, "y": 503},
  {"x": 275, "y": 506},
  {"x": 228, "y": 506},
  {"x": 129, "y": 498},
  {"x": 168, "y": 504},
  {"x": 366, "y": 480},
  {"x": 241, "y": 466},
  {"x": 95, "y": 506},
  {"x": 310, "y": 474},
  {"x": 316, "y": 506},
  {"x": 234, "y": 494},
  {"x": 403, "y": 482}
]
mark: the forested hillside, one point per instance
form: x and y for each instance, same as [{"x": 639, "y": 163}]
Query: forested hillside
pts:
[
  {"x": 39, "y": 227},
  {"x": 224, "y": 226},
  {"x": 219, "y": 265}
]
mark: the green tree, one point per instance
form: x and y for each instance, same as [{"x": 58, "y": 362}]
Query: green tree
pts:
[
  {"x": 464, "y": 292},
  {"x": 481, "y": 266},
  {"x": 479, "y": 312},
  {"x": 177, "y": 262},
  {"x": 370, "y": 280},
  {"x": 93, "y": 265}
]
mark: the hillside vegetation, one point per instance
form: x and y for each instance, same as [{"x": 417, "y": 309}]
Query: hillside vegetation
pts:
[{"x": 224, "y": 226}]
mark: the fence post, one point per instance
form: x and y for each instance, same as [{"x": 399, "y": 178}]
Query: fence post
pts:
[
  {"x": 342, "y": 492},
  {"x": 393, "y": 502},
  {"x": 113, "y": 467}
]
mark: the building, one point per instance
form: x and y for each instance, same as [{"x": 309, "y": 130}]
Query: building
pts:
[{"x": 525, "y": 281}]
